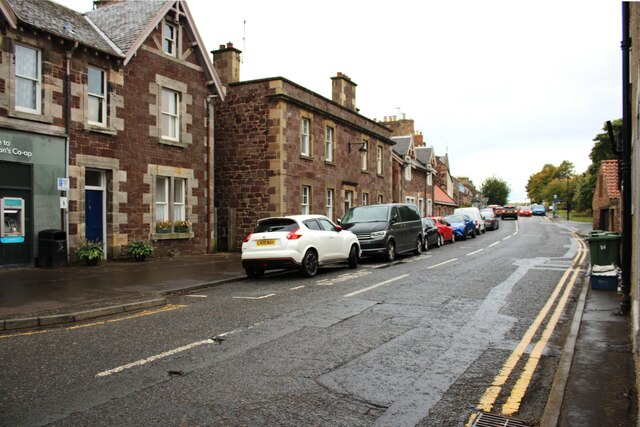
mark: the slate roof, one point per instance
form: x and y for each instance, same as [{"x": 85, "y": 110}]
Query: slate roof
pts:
[
  {"x": 402, "y": 145},
  {"x": 424, "y": 154},
  {"x": 61, "y": 21},
  {"x": 609, "y": 171},
  {"x": 124, "y": 22}
]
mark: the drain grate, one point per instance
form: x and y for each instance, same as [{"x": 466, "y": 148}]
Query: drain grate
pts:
[{"x": 484, "y": 419}]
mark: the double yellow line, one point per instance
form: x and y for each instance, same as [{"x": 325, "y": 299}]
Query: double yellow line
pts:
[{"x": 512, "y": 404}]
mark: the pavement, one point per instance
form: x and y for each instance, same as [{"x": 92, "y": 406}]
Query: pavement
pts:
[{"x": 594, "y": 384}]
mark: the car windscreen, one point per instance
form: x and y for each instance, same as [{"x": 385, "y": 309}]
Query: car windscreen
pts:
[
  {"x": 454, "y": 218},
  {"x": 366, "y": 214},
  {"x": 488, "y": 214},
  {"x": 276, "y": 224}
]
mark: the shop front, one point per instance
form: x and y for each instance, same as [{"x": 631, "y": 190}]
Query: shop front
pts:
[{"x": 30, "y": 165}]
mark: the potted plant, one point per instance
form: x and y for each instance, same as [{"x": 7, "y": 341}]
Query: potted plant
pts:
[
  {"x": 139, "y": 250},
  {"x": 90, "y": 252},
  {"x": 163, "y": 227},
  {"x": 182, "y": 226}
]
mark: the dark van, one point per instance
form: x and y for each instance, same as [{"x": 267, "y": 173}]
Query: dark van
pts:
[{"x": 386, "y": 229}]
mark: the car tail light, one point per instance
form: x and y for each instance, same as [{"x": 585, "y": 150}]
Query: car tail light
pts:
[
  {"x": 294, "y": 234},
  {"x": 246, "y": 239}
]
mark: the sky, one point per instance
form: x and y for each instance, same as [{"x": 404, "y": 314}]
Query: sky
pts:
[{"x": 502, "y": 87}]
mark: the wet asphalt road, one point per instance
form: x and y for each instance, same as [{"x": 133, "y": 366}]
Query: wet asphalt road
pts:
[{"x": 416, "y": 342}]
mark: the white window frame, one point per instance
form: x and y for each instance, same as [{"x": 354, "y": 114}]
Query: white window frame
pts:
[
  {"x": 162, "y": 203},
  {"x": 329, "y": 203},
  {"x": 179, "y": 199},
  {"x": 364, "y": 157},
  {"x": 365, "y": 199},
  {"x": 305, "y": 139},
  {"x": 36, "y": 80},
  {"x": 407, "y": 172},
  {"x": 348, "y": 200},
  {"x": 305, "y": 200},
  {"x": 100, "y": 97},
  {"x": 380, "y": 199},
  {"x": 379, "y": 160},
  {"x": 410, "y": 200},
  {"x": 169, "y": 41},
  {"x": 170, "y": 116},
  {"x": 329, "y": 138},
  {"x": 421, "y": 206}
]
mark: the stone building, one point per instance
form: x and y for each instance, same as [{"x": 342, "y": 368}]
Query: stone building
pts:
[
  {"x": 118, "y": 102},
  {"x": 282, "y": 149}
]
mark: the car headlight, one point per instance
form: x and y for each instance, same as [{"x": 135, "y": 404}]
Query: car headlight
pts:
[{"x": 378, "y": 234}]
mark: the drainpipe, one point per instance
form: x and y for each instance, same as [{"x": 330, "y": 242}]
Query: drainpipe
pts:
[
  {"x": 625, "y": 304},
  {"x": 210, "y": 181},
  {"x": 67, "y": 127}
]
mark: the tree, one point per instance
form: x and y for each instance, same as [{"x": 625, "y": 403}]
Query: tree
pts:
[
  {"x": 496, "y": 190},
  {"x": 542, "y": 186}
]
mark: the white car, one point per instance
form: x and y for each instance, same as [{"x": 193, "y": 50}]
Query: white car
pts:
[{"x": 302, "y": 242}]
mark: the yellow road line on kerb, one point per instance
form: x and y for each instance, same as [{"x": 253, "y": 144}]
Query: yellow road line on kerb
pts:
[
  {"x": 513, "y": 402},
  {"x": 490, "y": 395},
  {"x": 168, "y": 307}
]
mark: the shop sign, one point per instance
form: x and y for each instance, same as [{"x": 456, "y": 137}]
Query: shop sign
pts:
[{"x": 6, "y": 149}]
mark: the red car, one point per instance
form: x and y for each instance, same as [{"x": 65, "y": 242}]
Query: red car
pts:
[
  {"x": 445, "y": 230},
  {"x": 526, "y": 211}
]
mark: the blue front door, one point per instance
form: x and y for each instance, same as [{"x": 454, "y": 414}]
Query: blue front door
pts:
[{"x": 94, "y": 215}]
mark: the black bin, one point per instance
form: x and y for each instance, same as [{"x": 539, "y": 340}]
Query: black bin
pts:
[{"x": 52, "y": 248}]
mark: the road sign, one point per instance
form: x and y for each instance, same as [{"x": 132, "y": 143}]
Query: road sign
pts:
[{"x": 63, "y": 184}]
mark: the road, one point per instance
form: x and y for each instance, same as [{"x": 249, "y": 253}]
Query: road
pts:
[{"x": 423, "y": 341}]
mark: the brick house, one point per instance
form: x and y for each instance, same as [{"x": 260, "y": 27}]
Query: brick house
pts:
[
  {"x": 119, "y": 101},
  {"x": 282, "y": 149},
  {"x": 410, "y": 174},
  {"x": 606, "y": 198}
]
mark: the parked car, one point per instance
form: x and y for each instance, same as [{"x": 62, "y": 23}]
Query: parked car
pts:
[
  {"x": 539, "y": 210},
  {"x": 302, "y": 242},
  {"x": 509, "y": 211},
  {"x": 445, "y": 230},
  {"x": 491, "y": 221},
  {"x": 525, "y": 211},
  {"x": 431, "y": 235},
  {"x": 497, "y": 209},
  {"x": 474, "y": 213},
  {"x": 463, "y": 225},
  {"x": 385, "y": 229}
]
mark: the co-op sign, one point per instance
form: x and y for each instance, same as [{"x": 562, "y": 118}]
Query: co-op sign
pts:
[{"x": 7, "y": 149}]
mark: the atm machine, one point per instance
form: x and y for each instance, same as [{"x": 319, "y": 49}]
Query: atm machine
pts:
[{"x": 12, "y": 225}]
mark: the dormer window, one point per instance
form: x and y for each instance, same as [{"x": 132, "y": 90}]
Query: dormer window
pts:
[{"x": 169, "y": 39}]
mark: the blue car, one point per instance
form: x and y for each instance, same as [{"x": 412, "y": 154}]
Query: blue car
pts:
[
  {"x": 539, "y": 210},
  {"x": 462, "y": 225}
]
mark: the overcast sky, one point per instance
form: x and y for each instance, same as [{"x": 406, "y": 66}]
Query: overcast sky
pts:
[{"x": 503, "y": 87}]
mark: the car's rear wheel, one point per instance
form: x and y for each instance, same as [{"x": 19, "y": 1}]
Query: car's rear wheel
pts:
[
  {"x": 309, "y": 266},
  {"x": 440, "y": 241},
  {"x": 418, "y": 249},
  {"x": 453, "y": 237},
  {"x": 473, "y": 234},
  {"x": 254, "y": 273},
  {"x": 391, "y": 251},
  {"x": 353, "y": 257},
  {"x": 425, "y": 245}
]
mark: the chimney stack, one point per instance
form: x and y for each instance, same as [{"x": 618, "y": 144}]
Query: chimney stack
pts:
[
  {"x": 226, "y": 61},
  {"x": 343, "y": 91}
]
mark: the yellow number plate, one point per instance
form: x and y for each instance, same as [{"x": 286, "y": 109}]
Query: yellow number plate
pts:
[{"x": 265, "y": 242}]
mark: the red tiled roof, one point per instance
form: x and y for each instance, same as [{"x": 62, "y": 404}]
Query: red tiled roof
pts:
[
  {"x": 609, "y": 171},
  {"x": 442, "y": 197}
]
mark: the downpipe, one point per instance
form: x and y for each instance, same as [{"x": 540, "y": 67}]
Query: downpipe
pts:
[{"x": 625, "y": 167}]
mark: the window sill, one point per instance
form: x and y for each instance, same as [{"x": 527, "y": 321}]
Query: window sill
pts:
[
  {"x": 172, "y": 236},
  {"x": 306, "y": 157},
  {"x": 330, "y": 162},
  {"x": 30, "y": 116},
  {"x": 100, "y": 129},
  {"x": 172, "y": 142}
]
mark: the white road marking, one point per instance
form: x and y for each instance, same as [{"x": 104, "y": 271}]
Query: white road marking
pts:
[
  {"x": 442, "y": 263},
  {"x": 493, "y": 244},
  {"x": 296, "y": 288},
  {"x": 153, "y": 358},
  {"x": 256, "y": 298},
  {"x": 475, "y": 252},
  {"x": 197, "y": 296},
  {"x": 375, "y": 286},
  {"x": 508, "y": 237}
]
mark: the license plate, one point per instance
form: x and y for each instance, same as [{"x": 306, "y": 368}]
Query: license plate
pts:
[{"x": 265, "y": 242}]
